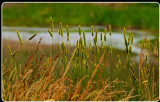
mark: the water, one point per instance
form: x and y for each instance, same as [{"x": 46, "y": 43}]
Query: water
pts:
[{"x": 116, "y": 38}]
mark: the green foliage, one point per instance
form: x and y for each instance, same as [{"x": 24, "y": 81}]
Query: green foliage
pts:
[{"x": 135, "y": 15}]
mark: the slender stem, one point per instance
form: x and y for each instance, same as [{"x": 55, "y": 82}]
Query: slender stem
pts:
[
  {"x": 111, "y": 40},
  {"x": 81, "y": 65},
  {"x": 52, "y": 46}
]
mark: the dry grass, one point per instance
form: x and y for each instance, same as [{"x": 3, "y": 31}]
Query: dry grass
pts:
[{"x": 82, "y": 78}]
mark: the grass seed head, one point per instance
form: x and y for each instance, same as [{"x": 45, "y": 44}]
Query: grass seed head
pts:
[
  {"x": 43, "y": 76},
  {"x": 86, "y": 56},
  {"x": 125, "y": 40},
  {"x": 61, "y": 29},
  {"x": 50, "y": 32},
  {"x": 13, "y": 54},
  {"x": 96, "y": 33},
  {"x": 74, "y": 97},
  {"x": 105, "y": 34},
  {"x": 66, "y": 60},
  {"x": 101, "y": 36},
  {"x": 146, "y": 57},
  {"x": 12, "y": 74},
  {"x": 149, "y": 43},
  {"x": 130, "y": 48},
  {"x": 64, "y": 47},
  {"x": 129, "y": 38},
  {"x": 124, "y": 33},
  {"x": 51, "y": 24},
  {"x": 132, "y": 38},
  {"x": 32, "y": 36},
  {"x": 90, "y": 46},
  {"x": 92, "y": 30},
  {"x": 97, "y": 50},
  {"x": 47, "y": 85},
  {"x": 84, "y": 38},
  {"x": 118, "y": 57},
  {"x": 19, "y": 37},
  {"x": 79, "y": 30},
  {"x": 101, "y": 44},
  {"x": 105, "y": 30},
  {"x": 80, "y": 41},
  {"x": 90, "y": 95},
  {"x": 27, "y": 74},
  {"x": 78, "y": 52},
  {"x": 77, "y": 43},
  {"x": 95, "y": 41},
  {"x": 110, "y": 30},
  {"x": 10, "y": 50},
  {"x": 95, "y": 38},
  {"x": 67, "y": 32}
]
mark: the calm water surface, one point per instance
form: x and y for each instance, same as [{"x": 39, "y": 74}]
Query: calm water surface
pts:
[{"x": 116, "y": 38}]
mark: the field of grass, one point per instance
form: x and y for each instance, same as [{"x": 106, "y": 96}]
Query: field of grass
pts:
[
  {"x": 35, "y": 72},
  {"x": 143, "y": 16}
]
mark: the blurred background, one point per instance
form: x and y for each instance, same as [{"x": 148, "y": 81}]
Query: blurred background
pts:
[
  {"x": 143, "y": 16},
  {"x": 31, "y": 18}
]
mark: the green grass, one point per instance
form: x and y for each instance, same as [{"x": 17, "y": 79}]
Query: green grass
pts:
[
  {"x": 152, "y": 41},
  {"x": 135, "y": 15},
  {"x": 31, "y": 76},
  {"x": 74, "y": 73}
]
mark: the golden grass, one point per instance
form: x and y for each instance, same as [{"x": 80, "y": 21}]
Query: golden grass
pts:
[{"x": 82, "y": 78}]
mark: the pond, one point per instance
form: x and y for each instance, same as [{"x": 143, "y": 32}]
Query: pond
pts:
[{"x": 116, "y": 38}]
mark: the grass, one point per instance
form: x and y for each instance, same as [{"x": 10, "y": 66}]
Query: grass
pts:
[
  {"x": 134, "y": 15},
  {"x": 79, "y": 73},
  {"x": 152, "y": 41}
]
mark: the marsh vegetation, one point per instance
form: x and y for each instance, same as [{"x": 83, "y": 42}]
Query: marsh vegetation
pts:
[{"x": 85, "y": 72}]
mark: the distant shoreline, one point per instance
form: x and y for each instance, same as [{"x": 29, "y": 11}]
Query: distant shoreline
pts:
[{"x": 142, "y": 16}]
